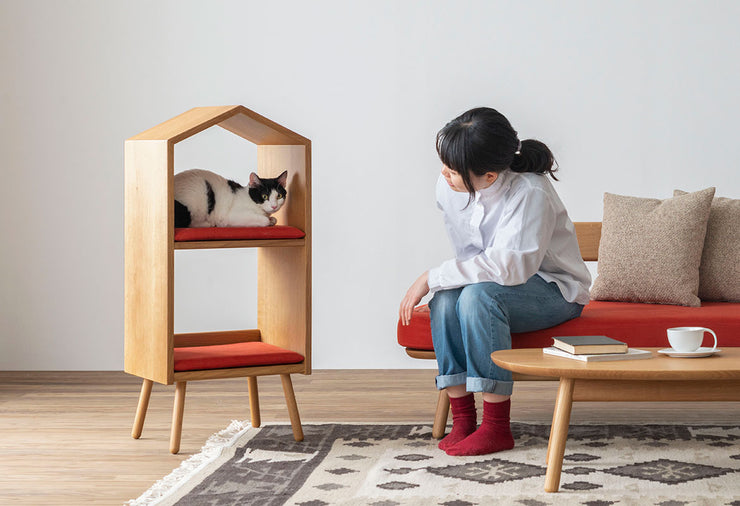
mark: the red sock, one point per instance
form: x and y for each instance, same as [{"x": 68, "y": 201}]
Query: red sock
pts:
[
  {"x": 463, "y": 420},
  {"x": 493, "y": 435}
]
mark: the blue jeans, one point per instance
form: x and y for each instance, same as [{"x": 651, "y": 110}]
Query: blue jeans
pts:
[{"x": 470, "y": 323}]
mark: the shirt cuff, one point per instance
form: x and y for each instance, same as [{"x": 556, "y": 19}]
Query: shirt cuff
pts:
[{"x": 435, "y": 279}]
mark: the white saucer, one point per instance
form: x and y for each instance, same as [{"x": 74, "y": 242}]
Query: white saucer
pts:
[{"x": 701, "y": 352}]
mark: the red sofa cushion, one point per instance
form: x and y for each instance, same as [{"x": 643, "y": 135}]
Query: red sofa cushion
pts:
[
  {"x": 223, "y": 356},
  {"x": 237, "y": 233},
  {"x": 637, "y": 324}
]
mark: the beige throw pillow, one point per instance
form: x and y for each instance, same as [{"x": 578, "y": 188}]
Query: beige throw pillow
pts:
[
  {"x": 719, "y": 272},
  {"x": 650, "y": 249}
]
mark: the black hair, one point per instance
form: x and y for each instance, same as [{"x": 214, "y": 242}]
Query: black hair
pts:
[{"x": 482, "y": 140}]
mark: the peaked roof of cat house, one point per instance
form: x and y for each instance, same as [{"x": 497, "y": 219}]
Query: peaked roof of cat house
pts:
[{"x": 234, "y": 118}]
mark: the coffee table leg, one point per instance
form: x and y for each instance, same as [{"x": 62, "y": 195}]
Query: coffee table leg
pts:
[{"x": 558, "y": 434}]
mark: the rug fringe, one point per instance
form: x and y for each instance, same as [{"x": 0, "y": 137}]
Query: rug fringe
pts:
[{"x": 210, "y": 451}]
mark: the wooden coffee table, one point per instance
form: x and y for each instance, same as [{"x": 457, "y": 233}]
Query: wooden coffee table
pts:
[{"x": 660, "y": 378}]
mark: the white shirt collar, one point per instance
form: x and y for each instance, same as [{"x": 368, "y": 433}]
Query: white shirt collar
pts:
[{"x": 495, "y": 188}]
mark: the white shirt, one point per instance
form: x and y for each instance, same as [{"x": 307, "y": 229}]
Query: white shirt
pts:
[{"x": 512, "y": 230}]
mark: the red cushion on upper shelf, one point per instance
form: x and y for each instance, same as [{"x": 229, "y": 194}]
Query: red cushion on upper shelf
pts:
[
  {"x": 238, "y": 233},
  {"x": 224, "y": 356}
]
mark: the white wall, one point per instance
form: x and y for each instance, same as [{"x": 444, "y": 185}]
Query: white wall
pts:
[{"x": 634, "y": 97}]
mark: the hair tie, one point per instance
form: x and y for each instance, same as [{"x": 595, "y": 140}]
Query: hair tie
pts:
[{"x": 518, "y": 149}]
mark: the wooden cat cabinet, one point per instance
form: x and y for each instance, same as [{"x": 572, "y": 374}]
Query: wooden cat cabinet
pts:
[{"x": 284, "y": 265}]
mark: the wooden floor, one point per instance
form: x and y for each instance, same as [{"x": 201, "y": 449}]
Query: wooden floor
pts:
[{"x": 65, "y": 438}]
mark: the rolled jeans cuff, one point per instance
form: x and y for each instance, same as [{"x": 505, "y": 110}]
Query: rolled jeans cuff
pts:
[
  {"x": 486, "y": 385},
  {"x": 489, "y": 386},
  {"x": 450, "y": 380}
]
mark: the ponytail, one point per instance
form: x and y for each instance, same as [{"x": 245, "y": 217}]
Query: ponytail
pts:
[{"x": 534, "y": 156}]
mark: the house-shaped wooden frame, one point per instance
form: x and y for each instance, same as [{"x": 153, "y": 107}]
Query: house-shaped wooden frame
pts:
[{"x": 284, "y": 265}]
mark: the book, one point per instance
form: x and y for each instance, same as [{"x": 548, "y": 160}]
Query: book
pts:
[
  {"x": 589, "y": 345},
  {"x": 630, "y": 354}
]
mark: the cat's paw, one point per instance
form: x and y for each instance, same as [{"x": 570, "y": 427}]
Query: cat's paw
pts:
[
  {"x": 272, "y": 221},
  {"x": 259, "y": 221}
]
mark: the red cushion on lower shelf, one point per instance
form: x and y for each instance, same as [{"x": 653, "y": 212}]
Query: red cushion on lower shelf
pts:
[
  {"x": 237, "y": 233},
  {"x": 223, "y": 356},
  {"x": 636, "y": 324}
]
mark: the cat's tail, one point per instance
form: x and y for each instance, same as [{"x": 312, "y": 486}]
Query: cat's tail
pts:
[{"x": 182, "y": 215}]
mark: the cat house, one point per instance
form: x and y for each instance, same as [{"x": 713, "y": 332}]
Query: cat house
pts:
[{"x": 153, "y": 351}]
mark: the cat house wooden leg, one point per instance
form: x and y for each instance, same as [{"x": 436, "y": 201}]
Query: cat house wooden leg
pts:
[
  {"x": 177, "y": 412},
  {"x": 254, "y": 401},
  {"x": 295, "y": 419},
  {"x": 146, "y": 392}
]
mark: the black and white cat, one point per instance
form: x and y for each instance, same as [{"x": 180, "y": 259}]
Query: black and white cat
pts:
[{"x": 205, "y": 199}]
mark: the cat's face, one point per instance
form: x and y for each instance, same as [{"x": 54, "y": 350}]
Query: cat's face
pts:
[{"x": 268, "y": 193}]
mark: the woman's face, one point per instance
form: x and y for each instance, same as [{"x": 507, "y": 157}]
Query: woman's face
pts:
[{"x": 455, "y": 180}]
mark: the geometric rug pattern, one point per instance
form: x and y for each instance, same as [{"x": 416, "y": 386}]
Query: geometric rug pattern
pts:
[{"x": 394, "y": 465}]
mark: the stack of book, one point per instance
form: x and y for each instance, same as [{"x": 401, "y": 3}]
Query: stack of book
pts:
[{"x": 593, "y": 349}]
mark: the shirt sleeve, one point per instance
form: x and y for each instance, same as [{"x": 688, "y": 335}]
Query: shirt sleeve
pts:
[{"x": 519, "y": 245}]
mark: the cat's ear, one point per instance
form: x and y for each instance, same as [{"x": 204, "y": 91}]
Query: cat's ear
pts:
[
  {"x": 254, "y": 180},
  {"x": 283, "y": 179}
]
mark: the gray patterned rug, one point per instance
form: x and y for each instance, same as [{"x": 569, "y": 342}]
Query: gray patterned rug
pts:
[{"x": 390, "y": 465}]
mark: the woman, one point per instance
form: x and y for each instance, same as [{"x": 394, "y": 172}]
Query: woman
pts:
[{"x": 517, "y": 268}]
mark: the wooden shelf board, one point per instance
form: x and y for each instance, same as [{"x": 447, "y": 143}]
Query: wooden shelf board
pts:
[
  {"x": 251, "y": 243},
  {"x": 240, "y": 372}
]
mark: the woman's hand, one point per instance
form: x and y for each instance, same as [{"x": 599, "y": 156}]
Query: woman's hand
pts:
[{"x": 417, "y": 291}]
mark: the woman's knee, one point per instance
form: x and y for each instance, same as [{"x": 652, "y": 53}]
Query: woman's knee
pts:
[
  {"x": 444, "y": 301},
  {"x": 479, "y": 299}
]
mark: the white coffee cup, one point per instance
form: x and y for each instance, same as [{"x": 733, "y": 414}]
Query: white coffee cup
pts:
[{"x": 688, "y": 339}]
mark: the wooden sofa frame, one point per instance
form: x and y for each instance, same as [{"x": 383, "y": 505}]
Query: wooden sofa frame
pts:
[{"x": 589, "y": 235}]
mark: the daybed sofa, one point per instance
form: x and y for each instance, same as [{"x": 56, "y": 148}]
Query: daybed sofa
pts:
[{"x": 639, "y": 324}]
